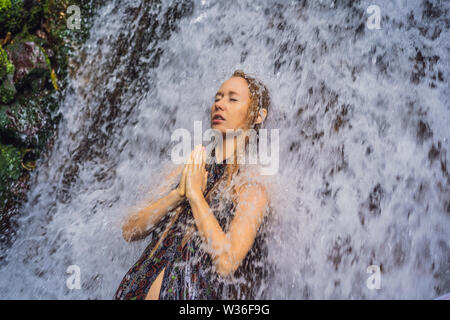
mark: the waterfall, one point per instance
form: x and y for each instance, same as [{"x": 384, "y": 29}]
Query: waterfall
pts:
[{"x": 363, "y": 117}]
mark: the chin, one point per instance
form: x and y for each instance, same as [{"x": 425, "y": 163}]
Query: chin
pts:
[{"x": 220, "y": 128}]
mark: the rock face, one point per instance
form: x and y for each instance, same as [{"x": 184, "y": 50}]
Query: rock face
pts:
[
  {"x": 10, "y": 168},
  {"x": 29, "y": 61},
  {"x": 22, "y": 111},
  {"x": 26, "y": 105},
  {"x": 10, "y": 172},
  {"x": 33, "y": 38},
  {"x": 24, "y": 118},
  {"x": 7, "y": 90},
  {"x": 22, "y": 122}
]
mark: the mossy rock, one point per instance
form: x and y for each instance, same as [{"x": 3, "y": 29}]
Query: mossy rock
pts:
[
  {"x": 7, "y": 90},
  {"x": 13, "y": 177},
  {"x": 24, "y": 123},
  {"x": 30, "y": 62},
  {"x": 10, "y": 165}
]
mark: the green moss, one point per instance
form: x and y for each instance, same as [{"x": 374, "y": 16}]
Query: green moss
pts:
[
  {"x": 24, "y": 123},
  {"x": 47, "y": 60},
  {"x": 35, "y": 15},
  {"x": 7, "y": 91},
  {"x": 5, "y": 4},
  {"x": 4, "y": 120},
  {"x": 7, "y": 88},
  {"x": 15, "y": 18},
  {"x": 12, "y": 16},
  {"x": 10, "y": 164},
  {"x": 6, "y": 67}
]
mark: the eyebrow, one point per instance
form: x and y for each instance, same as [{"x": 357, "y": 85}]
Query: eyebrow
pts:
[{"x": 220, "y": 93}]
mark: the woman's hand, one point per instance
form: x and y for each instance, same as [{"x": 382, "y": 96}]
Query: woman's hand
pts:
[
  {"x": 196, "y": 174},
  {"x": 181, "y": 189}
]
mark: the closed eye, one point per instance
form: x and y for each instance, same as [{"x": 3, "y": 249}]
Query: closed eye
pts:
[{"x": 215, "y": 100}]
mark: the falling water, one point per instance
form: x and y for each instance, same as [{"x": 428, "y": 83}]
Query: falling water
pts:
[{"x": 363, "y": 116}]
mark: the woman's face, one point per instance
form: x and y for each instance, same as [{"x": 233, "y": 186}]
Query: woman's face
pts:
[{"x": 231, "y": 104}]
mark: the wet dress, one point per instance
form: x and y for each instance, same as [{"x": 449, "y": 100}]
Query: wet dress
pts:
[{"x": 190, "y": 272}]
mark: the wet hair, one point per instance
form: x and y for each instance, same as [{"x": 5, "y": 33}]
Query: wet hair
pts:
[{"x": 259, "y": 99}]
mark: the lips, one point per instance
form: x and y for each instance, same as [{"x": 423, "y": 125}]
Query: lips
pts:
[{"x": 218, "y": 118}]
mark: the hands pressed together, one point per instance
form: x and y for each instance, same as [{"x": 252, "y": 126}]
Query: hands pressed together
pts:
[
  {"x": 228, "y": 249},
  {"x": 194, "y": 175}
]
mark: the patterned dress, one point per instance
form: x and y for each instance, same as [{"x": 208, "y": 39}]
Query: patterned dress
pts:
[{"x": 190, "y": 271}]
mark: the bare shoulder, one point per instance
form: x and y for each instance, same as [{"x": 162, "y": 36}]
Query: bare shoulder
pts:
[
  {"x": 251, "y": 184},
  {"x": 252, "y": 201}
]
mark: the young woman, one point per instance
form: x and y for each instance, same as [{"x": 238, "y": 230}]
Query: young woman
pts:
[{"x": 215, "y": 221}]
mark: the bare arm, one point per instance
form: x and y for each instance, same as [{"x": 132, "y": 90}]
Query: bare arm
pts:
[
  {"x": 227, "y": 249},
  {"x": 140, "y": 223}
]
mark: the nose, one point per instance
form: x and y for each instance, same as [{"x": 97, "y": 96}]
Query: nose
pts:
[{"x": 218, "y": 105}]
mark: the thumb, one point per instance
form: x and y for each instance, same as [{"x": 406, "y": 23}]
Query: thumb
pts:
[{"x": 205, "y": 180}]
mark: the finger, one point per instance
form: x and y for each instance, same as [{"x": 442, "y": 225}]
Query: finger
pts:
[
  {"x": 192, "y": 156},
  {"x": 202, "y": 160},
  {"x": 205, "y": 181},
  {"x": 188, "y": 175},
  {"x": 204, "y": 156},
  {"x": 183, "y": 178},
  {"x": 184, "y": 172},
  {"x": 198, "y": 157},
  {"x": 203, "y": 165},
  {"x": 191, "y": 162},
  {"x": 204, "y": 184},
  {"x": 187, "y": 169},
  {"x": 188, "y": 159}
]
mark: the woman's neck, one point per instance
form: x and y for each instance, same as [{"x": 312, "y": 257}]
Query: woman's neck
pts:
[{"x": 225, "y": 151}]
